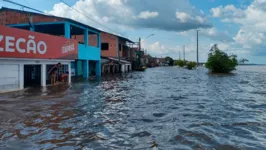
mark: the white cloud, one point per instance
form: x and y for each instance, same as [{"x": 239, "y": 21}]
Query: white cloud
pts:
[
  {"x": 183, "y": 17},
  {"x": 200, "y": 19},
  {"x": 156, "y": 48},
  {"x": 212, "y": 32},
  {"x": 252, "y": 21},
  {"x": 148, "y": 14},
  {"x": 82, "y": 14},
  {"x": 215, "y": 35},
  {"x": 184, "y": 33},
  {"x": 227, "y": 11},
  {"x": 249, "y": 39},
  {"x": 132, "y": 14}
]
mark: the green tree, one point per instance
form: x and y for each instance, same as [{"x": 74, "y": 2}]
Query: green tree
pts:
[
  {"x": 220, "y": 62},
  {"x": 243, "y": 61},
  {"x": 170, "y": 60},
  {"x": 191, "y": 65},
  {"x": 180, "y": 63}
]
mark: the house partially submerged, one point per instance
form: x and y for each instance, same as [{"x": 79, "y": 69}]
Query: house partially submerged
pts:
[
  {"x": 26, "y": 57},
  {"x": 88, "y": 61},
  {"x": 116, "y": 51}
]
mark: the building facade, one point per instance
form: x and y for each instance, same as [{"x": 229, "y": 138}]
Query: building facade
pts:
[
  {"x": 115, "y": 52},
  {"x": 88, "y": 61},
  {"x": 26, "y": 56}
]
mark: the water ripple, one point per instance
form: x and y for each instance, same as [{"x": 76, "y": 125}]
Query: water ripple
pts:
[{"x": 164, "y": 108}]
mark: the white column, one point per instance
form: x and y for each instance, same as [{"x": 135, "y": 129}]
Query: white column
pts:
[
  {"x": 69, "y": 71},
  {"x": 123, "y": 68},
  {"x": 130, "y": 67},
  {"x": 126, "y": 68},
  {"x": 21, "y": 76},
  {"x": 43, "y": 76}
]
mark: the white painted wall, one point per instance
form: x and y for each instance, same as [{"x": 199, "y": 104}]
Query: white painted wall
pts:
[
  {"x": 21, "y": 76},
  {"x": 12, "y": 72},
  {"x": 123, "y": 68},
  {"x": 43, "y": 74},
  {"x": 9, "y": 77},
  {"x": 70, "y": 74},
  {"x": 126, "y": 68}
]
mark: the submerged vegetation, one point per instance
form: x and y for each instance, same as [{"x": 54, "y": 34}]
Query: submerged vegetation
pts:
[
  {"x": 220, "y": 62},
  {"x": 170, "y": 61},
  {"x": 243, "y": 61},
  {"x": 188, "y": 64},
  {"x": 180, "y": 63},
  {"x": 191, "y": 65}
]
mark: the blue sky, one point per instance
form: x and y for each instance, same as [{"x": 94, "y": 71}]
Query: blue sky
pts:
[{"x": 237, "y": 26}]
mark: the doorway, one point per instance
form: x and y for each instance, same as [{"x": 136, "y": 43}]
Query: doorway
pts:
[{"x": 32, "y": 75}]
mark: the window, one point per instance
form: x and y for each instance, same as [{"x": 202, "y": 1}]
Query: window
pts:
[
  {"x": 120, "y": 47},
  {"x": 124, "y": 47},
  {"x": 105, "y": 46}
]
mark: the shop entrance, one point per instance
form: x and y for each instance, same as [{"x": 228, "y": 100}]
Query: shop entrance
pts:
[{"x": 32, "y": 75}]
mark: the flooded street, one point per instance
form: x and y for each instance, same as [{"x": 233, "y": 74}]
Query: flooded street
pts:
[{"x": 176, "y": 108}]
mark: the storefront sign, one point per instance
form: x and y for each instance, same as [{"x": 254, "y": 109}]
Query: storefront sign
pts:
[{"x": 17, "y": 43}]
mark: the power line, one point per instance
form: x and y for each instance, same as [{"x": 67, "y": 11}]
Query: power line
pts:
[
  {"x": 39, "y": 11},
  {"x": 198, "y": 47},
  {"x": 23, "y": 6},
  {"x": 26, "y": 2},
  {"x": 89, "y": 17}
]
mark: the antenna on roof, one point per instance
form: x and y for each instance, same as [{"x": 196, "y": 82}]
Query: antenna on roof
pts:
[{"x": 29, "y": 17}]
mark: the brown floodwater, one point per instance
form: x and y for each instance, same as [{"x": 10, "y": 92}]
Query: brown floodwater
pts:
[{"x": 165, "y": 108}]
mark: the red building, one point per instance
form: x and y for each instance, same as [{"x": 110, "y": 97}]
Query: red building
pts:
[
  {"x": 113, "y": 49},
  {"x": 113, "y": 46},
  {"x": 26, "y": 56}
]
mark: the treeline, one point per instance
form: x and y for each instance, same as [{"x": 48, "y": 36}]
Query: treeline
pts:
[{"x": 184, "y": 63}]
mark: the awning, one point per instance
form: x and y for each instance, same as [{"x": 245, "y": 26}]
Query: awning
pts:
[{"x": 121, "y": 61}]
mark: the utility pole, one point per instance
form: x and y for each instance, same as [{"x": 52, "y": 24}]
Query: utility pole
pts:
[
  {"x": 184, "y": 52},
  {"x": 179, "y": 56},
  {"x": 198, "y": 47},
  {"x": 139, "y": 50}
]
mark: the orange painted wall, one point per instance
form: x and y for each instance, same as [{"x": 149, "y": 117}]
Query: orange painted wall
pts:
[{"x": 105, "y": 38}]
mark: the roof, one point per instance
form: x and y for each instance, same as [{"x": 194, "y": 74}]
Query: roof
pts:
[
  {"x": 66, "y": 19},
  {"x": 126, "y": 39},
  {"x": 116, "y": 59}
]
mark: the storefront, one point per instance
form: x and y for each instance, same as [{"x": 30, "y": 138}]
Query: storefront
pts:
[{"x": 26, "y": 58}]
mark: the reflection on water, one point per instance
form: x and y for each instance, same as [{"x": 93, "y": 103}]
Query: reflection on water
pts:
[{"x": 167, "y": 108}]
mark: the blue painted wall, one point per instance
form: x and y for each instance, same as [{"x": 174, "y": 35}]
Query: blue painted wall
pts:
[
  {"x": 89, "y": 53},
  {"x": 78, "y": 67}
]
